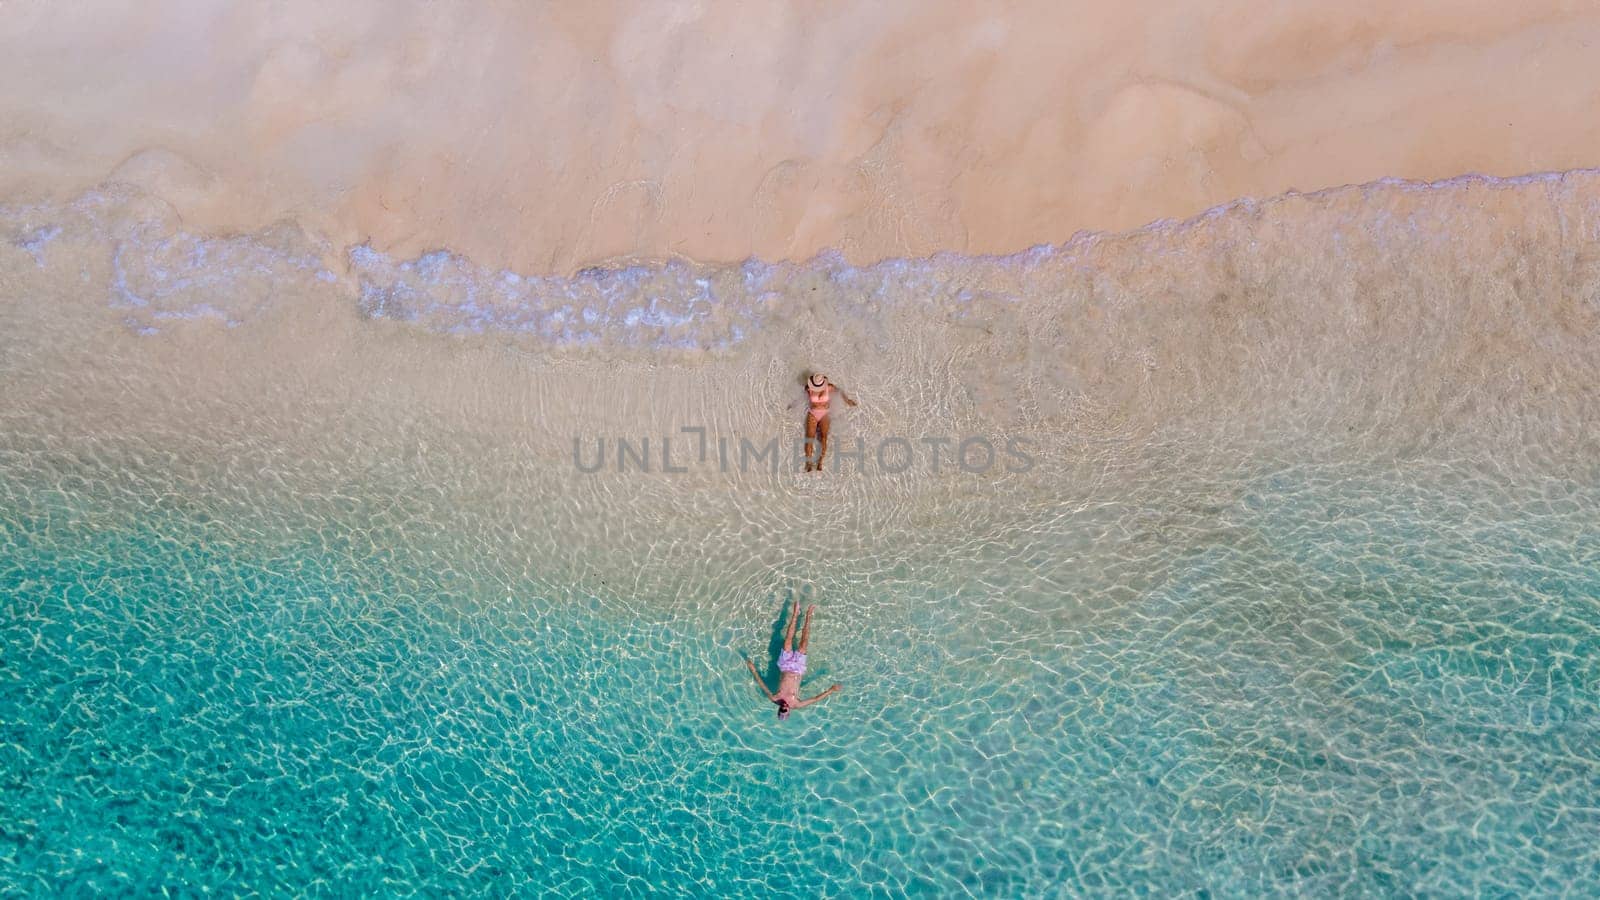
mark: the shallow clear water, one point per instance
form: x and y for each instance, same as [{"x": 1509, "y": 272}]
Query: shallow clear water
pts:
[
  {"x": 1333, "y": 681},
  {"x": 286, "y": 616}
]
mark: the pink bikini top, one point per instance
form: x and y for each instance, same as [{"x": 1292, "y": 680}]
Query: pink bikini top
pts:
[{"x": 819, "y": 398}]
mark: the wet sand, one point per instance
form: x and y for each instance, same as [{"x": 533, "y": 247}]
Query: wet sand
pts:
[{"x": 547, "y": 139}]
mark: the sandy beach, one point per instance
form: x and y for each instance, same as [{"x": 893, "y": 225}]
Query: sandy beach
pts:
[{"x": 550, "y": 138}]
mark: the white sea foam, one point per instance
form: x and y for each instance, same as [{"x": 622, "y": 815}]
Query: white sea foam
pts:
[{"x": 1469, "y": 304}]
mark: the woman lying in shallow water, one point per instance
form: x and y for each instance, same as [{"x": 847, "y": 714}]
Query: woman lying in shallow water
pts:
[
  {"x": 792, "y": 665},
  {"x": 819, "y": 397}
]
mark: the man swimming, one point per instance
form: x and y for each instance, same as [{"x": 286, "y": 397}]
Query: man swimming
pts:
[
  {"x": 819, "y": 394},
  {"x": 792, "y": 665}
]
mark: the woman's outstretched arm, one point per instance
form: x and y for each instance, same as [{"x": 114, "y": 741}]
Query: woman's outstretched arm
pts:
[
  {"x": 822, "y": 696},
  {"x": 759, "y": 683}
]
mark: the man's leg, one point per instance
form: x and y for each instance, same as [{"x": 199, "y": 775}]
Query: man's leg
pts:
[{"x": 788, "y": 636}]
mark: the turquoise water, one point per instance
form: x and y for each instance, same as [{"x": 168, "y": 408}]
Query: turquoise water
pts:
[{"x": 1335, "y": 682}]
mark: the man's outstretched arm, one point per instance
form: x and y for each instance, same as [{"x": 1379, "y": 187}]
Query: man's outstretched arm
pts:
[
  {"x": 759, "y": 683},
  {"x": 822, "y": 696}
]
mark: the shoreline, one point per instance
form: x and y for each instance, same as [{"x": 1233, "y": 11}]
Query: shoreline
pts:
[{"x": 347, "y": 260}]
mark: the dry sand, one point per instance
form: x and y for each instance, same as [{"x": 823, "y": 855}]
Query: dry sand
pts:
[{"x": 550, "y": 136}]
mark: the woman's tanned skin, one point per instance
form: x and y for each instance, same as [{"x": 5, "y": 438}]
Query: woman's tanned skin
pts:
[{"x": 819, "y": 395}]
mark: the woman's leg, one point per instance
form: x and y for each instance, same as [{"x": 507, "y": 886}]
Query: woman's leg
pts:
[
  {"x": 822, "y": 440},
  {"x": 794, "y": 616},
  {"x": 811, "y": 435},
  {"x": 805, "y": 633}
]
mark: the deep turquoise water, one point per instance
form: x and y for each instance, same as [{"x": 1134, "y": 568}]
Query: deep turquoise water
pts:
[{"x": 1335, "y": 681}]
